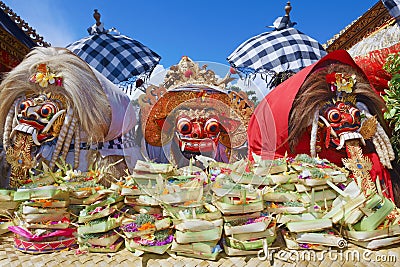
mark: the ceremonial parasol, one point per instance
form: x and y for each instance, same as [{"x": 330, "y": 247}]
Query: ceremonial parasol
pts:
[
  {"x": 281, "y": 52},
  {"x": 393, "y": 6},
  {"x": 122, "y": 60}
]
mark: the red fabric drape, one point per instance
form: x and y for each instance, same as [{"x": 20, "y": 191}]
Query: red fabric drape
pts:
[{"x": 372, "y": 65}]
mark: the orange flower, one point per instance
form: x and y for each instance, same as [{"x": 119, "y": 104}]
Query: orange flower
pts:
[
  {"x": 146, "y": 226},
  {"x": 47, "y": 204}
]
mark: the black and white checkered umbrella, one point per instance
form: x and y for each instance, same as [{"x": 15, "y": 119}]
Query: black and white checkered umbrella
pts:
[
  {"x": 276, "y": 51},
  {"x": 118, "y": 57},
  {"x": 285, "y": 49},
  {"x": 393, "y": 6}
]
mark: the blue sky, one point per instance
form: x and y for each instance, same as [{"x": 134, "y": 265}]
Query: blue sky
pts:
[{"x": 204, "y": 30}]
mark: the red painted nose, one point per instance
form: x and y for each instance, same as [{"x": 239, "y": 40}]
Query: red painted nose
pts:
[
  {"x": 346, "y": 117},
  {"x": 197, "y": 131}
]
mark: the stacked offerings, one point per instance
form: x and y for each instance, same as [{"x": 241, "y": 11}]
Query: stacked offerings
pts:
[
  {"x": 241, "y": 205},
  {"x": 246, "y": 236},
  {"x": 44, "y": 220},
  {"x": 147, "y": 233},
  {"x": 7, "y": 208},
  {"x": 306, "y": 228},
  {"x": 99, "y": 222},
  {"x": 139, "y": 188},
  {"x": 370, "y": 221},
  {"x": 198, "y": 230}
]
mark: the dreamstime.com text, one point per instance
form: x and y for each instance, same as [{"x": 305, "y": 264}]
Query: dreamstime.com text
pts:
[{"x": 269, "y": 254}]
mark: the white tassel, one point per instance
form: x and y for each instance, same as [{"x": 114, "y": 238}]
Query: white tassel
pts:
[
  {"x": 77, "y": 146},
  {"x": 387, "y": 142},
  {"x": 61, "y": 137},
  {"x": 68, "y": 139},
  {"x": 313, "y": 139},
  {"x": 381, "y": 150},
  {"x": 381, "y": 142},
  {"x": 8, "y": 126}
]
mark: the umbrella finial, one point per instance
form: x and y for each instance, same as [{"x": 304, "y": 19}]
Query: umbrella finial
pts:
[
  {"x": 288, "y": 8},
  {"x": 284, "y": 22},
  {"x": 98, "y": 27},
  {"x": 96, "y": 16}
]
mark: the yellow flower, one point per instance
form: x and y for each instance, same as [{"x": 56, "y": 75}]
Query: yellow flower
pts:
[
  {"x": 39, "y": 76},
  {"x": 43, "y": 83},
  {"x": 44, "y": 77},
  {"x": 344, "y": 82}
]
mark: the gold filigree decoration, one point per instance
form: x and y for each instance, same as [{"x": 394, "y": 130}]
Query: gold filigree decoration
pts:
[
  {"x": 368, "y": 128},
  {"x": 20, "y": 159},
  {"x": 348, "y": 98},
  {"x": 360, "y": 167},
  {"x": 342, "y": 82},
  {"x": 189, "y": 73}
]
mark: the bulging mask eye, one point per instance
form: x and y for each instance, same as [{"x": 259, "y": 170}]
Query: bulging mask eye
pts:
[
  {"x": 24, "y": 106},
  {"x": 355, "y": 113},
  {"x": 47, "y": 109},
  {"x": 212, "y": 126},
  {"x": 333, "y": 115},
  {"x": 184, "y": 126}
]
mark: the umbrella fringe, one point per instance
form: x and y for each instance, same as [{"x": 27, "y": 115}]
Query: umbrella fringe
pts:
[
  {"x": 280, "y": 77},
  {"x": 276, "y": 78},
  {"x": 136, "y": 82}
]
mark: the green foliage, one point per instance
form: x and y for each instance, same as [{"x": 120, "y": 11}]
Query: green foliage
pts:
[
  {"x": 144, "y": 218},
  {"x": 392, "y": 99},
  {"x": 162, "y": 234},
  {"x": 306, "y": 159}
]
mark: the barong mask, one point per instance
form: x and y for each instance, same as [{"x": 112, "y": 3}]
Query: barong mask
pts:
[
  {"x": 41, "y": 116},
  {"x": 340, "y": 117},
  {"x": 194, "y": 111},
  {"x": 324, "y": 110},
  {"x": 56, "y": 108}
]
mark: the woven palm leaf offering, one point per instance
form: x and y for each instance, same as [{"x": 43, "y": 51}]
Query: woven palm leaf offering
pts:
[
  {"x": 368, "y": 218},
  {"x": 296, "y": 195},
  {"x": 241, "y": 204},
  {"x": 87, "y": 204},
  {"x": 246, "y": 236},
  {"x": 98, "y": 221},
  {"x": 139, "y": 187},
  {"x": 84, "y": 187},
  {"x": 315, "y": 171},
  {"x": 43, "y": 222},
  {"x": 301, "y": 198},
  {"x": 7, "y": 208},
  {"x": 232, "y": 198},
  {"x": 310, "y": 230},
  {"x": 147, "y": 233},
  {"x": 176, "y": 186},
  {"x": 198, "y": 229}
]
